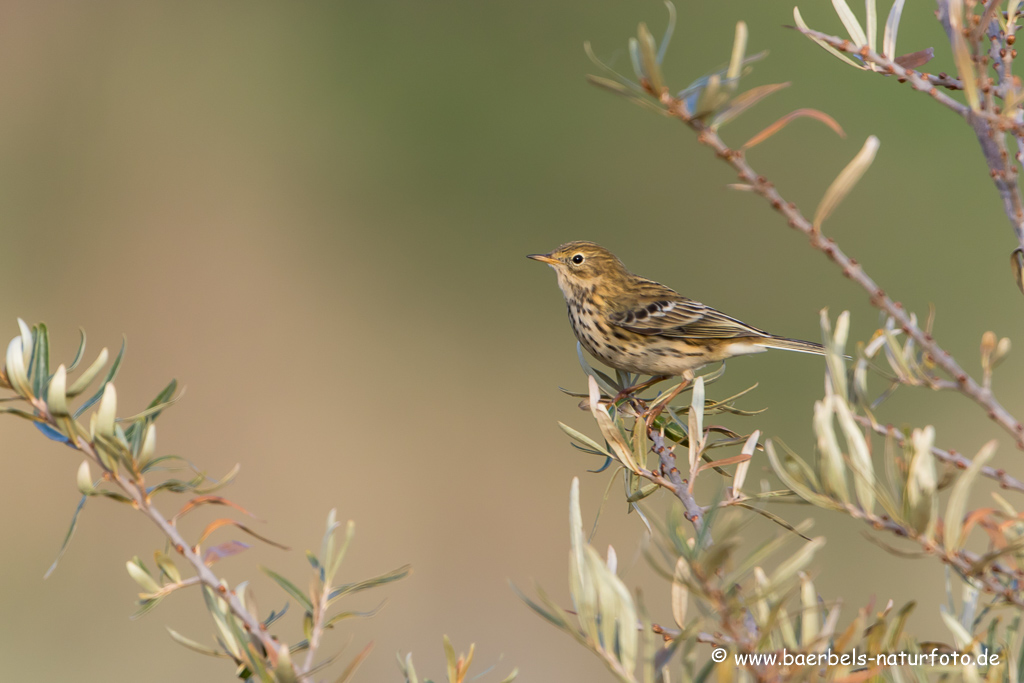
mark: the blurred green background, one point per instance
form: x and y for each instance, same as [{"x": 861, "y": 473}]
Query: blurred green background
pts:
[{"x": 314, "y": 215}]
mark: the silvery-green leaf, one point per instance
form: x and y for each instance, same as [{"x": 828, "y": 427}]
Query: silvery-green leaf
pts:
[
  {"x": 920, "y": 500},
  {"x": 850, "y": 22},
  {"x": 821, "y": 43},
  {"x": 107, "y": 412},
  {"x": 111, "y": 374},
  {"x": 16, "y": 369},
  {"x": 83, "y": 381},
  {"x": 846, "y": 180},
  {"x": 962, "y": 54},
  {"x": 796, "y": 562},
  {"x": 85, "y": 485},
  {"x": 831, "y": 464},
  {"x": 892, "y": 26},
  {"x": 860, "y": 457},
  {"x": 739, "y": 50},
  {"x": 871, "y": 23},
  {"x": 56, "y": 398},
  {"x": 649, "y": 55},
  {"x": 809, "y": 613},
  {"x": 953, "y": 532},
  {"x": 608, "y": 428},
  {"x": 583, "y": 439},
  {"x": 680, "y": 593},
  {"x": 142, "y": 577},
  {"x": 27, "y": 340}
]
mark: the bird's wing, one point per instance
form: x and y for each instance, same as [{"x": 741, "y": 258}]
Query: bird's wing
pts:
[{"x": 661, "y": 311}]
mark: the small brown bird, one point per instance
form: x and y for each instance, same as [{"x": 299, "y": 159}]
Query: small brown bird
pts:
[{"x": 638, "y": 325}]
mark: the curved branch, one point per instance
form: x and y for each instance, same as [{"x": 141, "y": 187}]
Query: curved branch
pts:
[
  {"x": 760, "y": 185},
  {"x": 203, "y": 573},
  {"x": 988, "y": 126},
  {"x": 951, "y": 457}
]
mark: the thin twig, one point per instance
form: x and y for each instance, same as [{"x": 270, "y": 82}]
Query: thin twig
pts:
[
  {"x": 965, "y": 384},
  {"x": 694, "y": 512},
  {"x": 987, "y": 125},
  {"x": 205, "y": 575},
  {"x": 951, "y": 457},
  {"x": 318, "y": 628}
]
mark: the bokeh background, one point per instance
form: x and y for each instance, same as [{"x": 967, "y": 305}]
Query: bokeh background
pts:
[{"x": 314, "y": 215}]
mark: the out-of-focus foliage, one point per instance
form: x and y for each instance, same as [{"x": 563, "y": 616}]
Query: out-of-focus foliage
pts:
[
  {"x": 124, "y": 451},
  {"x": 745, "y": 602},
  {"x": 457, "y": 666}
]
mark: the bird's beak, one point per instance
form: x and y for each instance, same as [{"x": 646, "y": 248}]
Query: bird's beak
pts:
[{"x": 543, "y": 258}]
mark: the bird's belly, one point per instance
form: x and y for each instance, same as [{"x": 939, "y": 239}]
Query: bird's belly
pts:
[{"x": 641, "y": 354}]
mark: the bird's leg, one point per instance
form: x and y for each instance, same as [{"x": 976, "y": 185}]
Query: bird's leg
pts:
[
  {"x": 629, "y": 391},
  {"x": 662, "y": 401}
]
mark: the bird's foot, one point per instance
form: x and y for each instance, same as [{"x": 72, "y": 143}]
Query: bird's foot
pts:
[
  {"x": 629, "y": 391},
  {"x": 658, "y": 405}
]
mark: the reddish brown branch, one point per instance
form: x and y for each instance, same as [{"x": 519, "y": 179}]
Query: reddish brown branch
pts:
[
  {"x": 964, "y": 383},
  {"x": 988, "y": 126}
]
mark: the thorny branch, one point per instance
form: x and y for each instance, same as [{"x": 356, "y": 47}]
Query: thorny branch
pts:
[
  {"x": 958, "y": 460},
  {"x": 964, "y": 383},
  {"x": 667, "y": 456},
  {"x": 142, "y": 502},
  {"x": 988, "y": 125},
  {"x": 206, "y": 576}
]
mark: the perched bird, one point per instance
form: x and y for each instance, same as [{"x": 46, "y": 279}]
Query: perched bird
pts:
[{"x": 638, "y": 325}]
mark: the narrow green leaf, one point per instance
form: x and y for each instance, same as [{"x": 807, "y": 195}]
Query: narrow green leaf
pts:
[
  {"x": 67, "y": 537},
  {"x": 953, "y": 536},
  {"x": 167, "y": 566},
  {"x": 860, "y": 458},
  {"x": 649, "y": 55},
  {"x": 584, "y": 439},
  {"x": 84, "y": 479},
  {"x": 284, "y": 672},
  {"x": 871, "y": 23},
  {"x": 825, "y": 46},
  {"x": 739, "y": 50},
  {"x": 40, "y": 365},
  {"x": 846, "y": 180},
  {"x": 141, "y": 575},
  {"x": 745, "y": 101},
  {"x": 407, "y": 668},
  {"x": 111, "y": 374},
  {"x": 193, "y": 645},
  {"x": 796, "y": 562},
  {"x": 666, "y": 38},
  {"x": 341, "y": 616},
  {"x": 349, "y": 588},
  {"x": 350, "y": 670},
  {"x": 920, "y": 499},
  {"x": 17, "y": 372},
  {"x": 81, "y": 350},
  {"x": 831, "y": 464},
  {"x": 83, "y": 381},
  {"x": 28, "y": 340},
  {"x": 291, "y": 589},
  {"x": 449, "y": 657},
  {"x": 962, "y": 54},
  {"x": 334, "y": 563},
  {"x": 850, "y": 22},
  {"x": 56, "y": 397},
  {"x": 892, "y": 27}
]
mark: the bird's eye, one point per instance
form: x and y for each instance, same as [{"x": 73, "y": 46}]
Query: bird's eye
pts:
[{"x": 577, "y": 259}]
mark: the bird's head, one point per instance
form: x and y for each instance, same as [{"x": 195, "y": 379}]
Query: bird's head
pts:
[{"x": 584, "y": 265}]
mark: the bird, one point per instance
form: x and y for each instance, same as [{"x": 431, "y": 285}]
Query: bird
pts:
[{"x": 641, "y": 326}]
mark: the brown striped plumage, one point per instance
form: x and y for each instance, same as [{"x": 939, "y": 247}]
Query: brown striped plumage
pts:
[{"x": 638, "y": 325}]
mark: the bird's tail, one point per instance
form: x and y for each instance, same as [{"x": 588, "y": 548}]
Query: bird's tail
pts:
[{"x": 791, "y": 345}]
